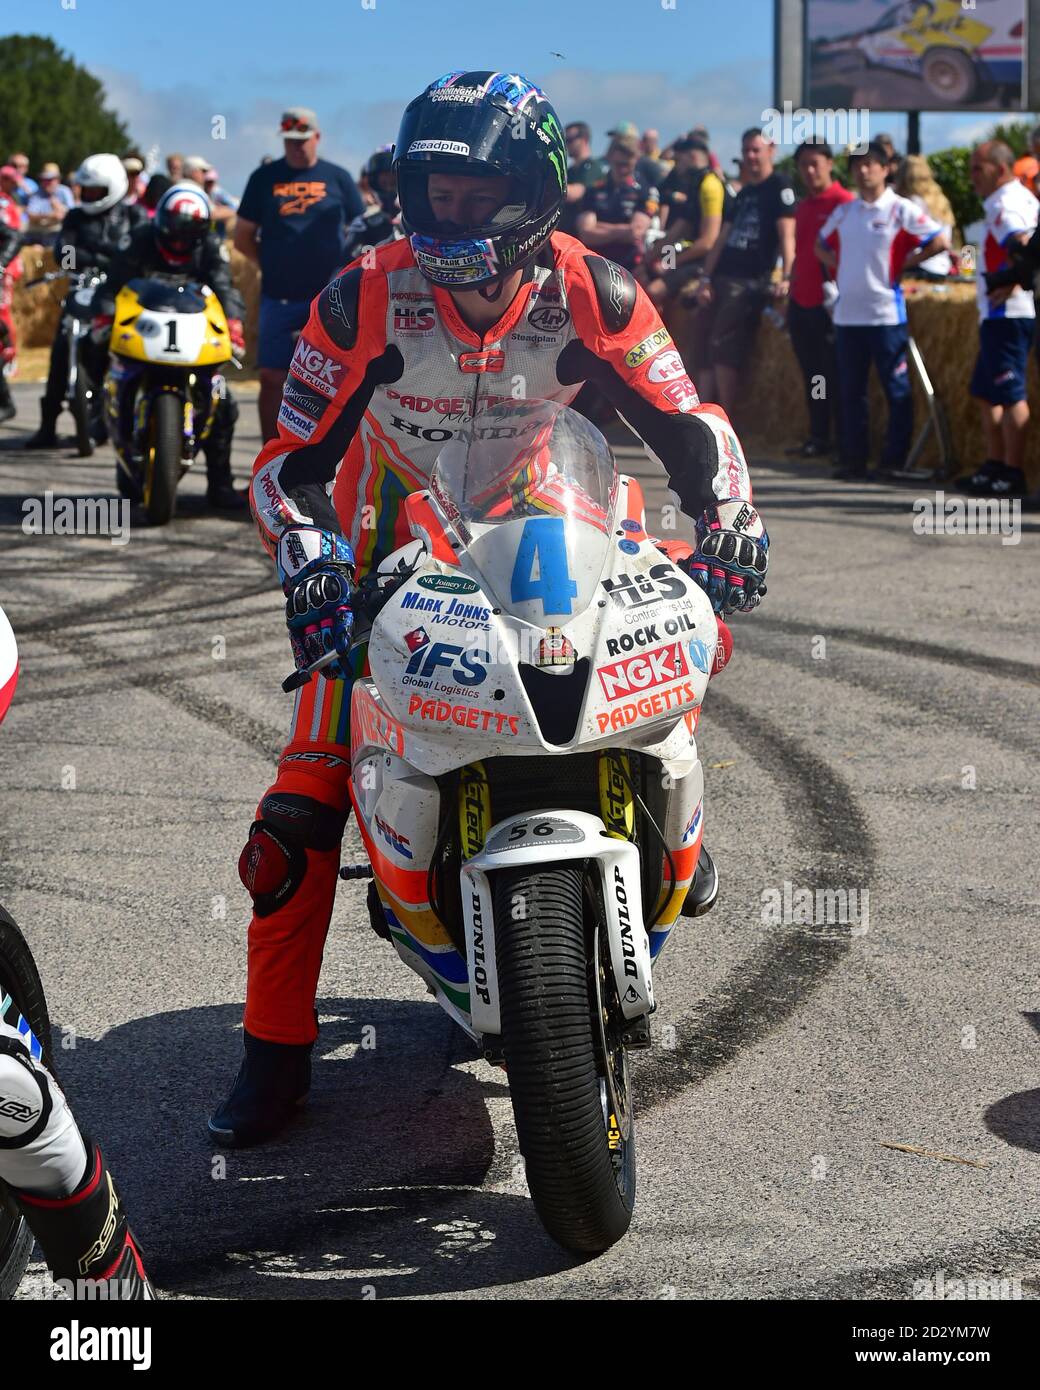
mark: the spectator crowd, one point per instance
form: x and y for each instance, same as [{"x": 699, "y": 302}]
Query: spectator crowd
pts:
[{"x": 715, "y": 251}]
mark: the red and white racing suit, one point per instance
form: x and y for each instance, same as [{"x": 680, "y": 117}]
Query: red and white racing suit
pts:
[{"x": 384, "y": 373}]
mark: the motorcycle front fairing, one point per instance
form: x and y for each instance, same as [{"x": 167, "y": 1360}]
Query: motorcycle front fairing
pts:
[{"x": 458, "y": 676}]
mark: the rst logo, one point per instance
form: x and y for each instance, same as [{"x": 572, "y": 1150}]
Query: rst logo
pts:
[
  {"x": 465, "y": 666},
  {"x": 315, "y": 368},
  {"x": 638, "y": 673},
  {"x": 419, "y": 320}
]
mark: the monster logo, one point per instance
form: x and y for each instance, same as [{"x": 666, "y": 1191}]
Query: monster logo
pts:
[{"x": 558, "y": 155}]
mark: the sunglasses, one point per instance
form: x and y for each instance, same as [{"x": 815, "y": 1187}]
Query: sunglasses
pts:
[{"x": 292, "y": 123}]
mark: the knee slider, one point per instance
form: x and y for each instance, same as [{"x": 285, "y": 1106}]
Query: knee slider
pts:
[{"x": 273, "y": 864}]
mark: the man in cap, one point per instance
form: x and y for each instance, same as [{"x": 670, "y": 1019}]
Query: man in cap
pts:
[
  {"x": 292, "y": 220},
  {"x": 693, "y": 202},
  {"x": 199, "y": 170},
  {"x": 47, "y": 207},
  {"x": 614, "y": 216}
]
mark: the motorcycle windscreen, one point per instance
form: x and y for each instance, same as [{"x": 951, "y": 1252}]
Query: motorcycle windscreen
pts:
[{"x": 529, "y": 488}]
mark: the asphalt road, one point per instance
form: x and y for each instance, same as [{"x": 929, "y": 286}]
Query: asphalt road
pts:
[{"x": 896, "y": 759}]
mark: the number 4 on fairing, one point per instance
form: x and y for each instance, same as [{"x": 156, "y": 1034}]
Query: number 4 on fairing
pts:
[{"x": 543, "y": 547}]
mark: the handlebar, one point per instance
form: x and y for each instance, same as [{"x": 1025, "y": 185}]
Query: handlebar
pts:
[
  {"x": 366, "y": 601},
  {"x": 79, "y": 277}
]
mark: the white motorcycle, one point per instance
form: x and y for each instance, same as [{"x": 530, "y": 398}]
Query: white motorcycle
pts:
[{"x": 527, "y": 785}]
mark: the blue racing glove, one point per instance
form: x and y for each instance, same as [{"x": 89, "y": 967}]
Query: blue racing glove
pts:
[
  {"x": 731, "y": 557},
  {"x": 317, "y": 572}
]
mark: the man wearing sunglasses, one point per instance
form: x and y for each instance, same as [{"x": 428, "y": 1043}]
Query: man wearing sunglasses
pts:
[{"x": 292, "y": 221}]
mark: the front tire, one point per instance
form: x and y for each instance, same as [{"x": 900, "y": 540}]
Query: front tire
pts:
[
  {"x": 81, "y": 413},
  {"x": 163, "y": 465},
  {"x": 582, "y": 1182},
  {"x": 20, "y": 980}
]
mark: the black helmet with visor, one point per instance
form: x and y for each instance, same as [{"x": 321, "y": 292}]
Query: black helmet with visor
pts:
[{"x": 481, "y": 124}]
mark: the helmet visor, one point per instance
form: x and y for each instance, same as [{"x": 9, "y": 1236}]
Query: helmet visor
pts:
[{"x": 449, "y": 135}]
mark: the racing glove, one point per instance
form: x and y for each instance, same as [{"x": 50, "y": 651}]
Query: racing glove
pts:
[
  {"x": 316, "y": 568},
  {"x": 237, "y": 336},
  {"x": 731, "y": 557}
]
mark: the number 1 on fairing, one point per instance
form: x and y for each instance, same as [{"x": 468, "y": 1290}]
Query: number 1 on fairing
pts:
[{"x": 543, "y": 543}]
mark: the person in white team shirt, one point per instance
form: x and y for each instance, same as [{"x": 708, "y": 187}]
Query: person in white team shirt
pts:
[
  {"x": 869, "y": 243},
  {"x": 1007, "y": 319}
]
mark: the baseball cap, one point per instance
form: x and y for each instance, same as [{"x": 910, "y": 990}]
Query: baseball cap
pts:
[
  {"x": 195, "y": 163},
  {"x": 626, "y": 129},
  {"x": 628, "y": 143},
  {"x": 131, "y": 164},
  {"x": 691, "y": 142},
  {"x": 50, "y": 171},
  {"x": 9, "y": 171},
  {"x": 298, "y": 123}
]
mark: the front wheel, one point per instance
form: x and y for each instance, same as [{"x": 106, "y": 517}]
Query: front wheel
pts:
[
  {"x": 21, "y": 995},
  {"x": 566, "y": 1086},
  {"x": 163, "y": 465},
  {"x": 81, "y": 406}
]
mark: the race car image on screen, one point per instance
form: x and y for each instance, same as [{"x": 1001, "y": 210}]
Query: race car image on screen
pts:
[{"x": 958, "y": 53}]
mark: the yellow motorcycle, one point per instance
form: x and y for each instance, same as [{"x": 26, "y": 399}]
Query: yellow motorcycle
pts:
[{"x": 164, "y": 385}]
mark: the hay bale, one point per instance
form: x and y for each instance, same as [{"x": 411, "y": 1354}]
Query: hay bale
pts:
[
  {"x": 36, "y": 311},
  {"x": 771, "y": 414}
]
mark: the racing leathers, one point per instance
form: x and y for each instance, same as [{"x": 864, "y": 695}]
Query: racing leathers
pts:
[
  {"x": 59, "y": 1180},
  {"x": 384, "y": 373},
  {"x": 85, "y": 242},
  {"x": 210, "y": 264}
]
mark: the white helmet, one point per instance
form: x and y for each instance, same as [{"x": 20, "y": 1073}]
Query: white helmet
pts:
[{"x": 102, "y": 172}]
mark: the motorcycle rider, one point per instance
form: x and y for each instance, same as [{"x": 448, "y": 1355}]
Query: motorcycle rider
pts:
[
  {"x": 482, "y": 296},
  {"x": 89, "y": 237},
  {"x": 56, "y": 1176},
  {"x": 180, "y": 245},
  {"x": 380, "y": 220}
]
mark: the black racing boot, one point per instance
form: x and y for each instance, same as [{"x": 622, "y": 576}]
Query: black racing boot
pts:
[
  {"x": 225, "y": 497},
  {"x": 272, "y": 1082},
  {"x": 7, "y": 406},
  {"x": 221, "y": 493},
  {"x": 46, "y": 437},
  {"x": 704, "y": 889},
  {"x": 86, "y": 1238}
]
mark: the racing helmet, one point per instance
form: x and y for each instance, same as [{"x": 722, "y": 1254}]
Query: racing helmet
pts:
[
  {"x": 182, "y": 219},
  {"x": 380, "y": 163},
  {"x": 481, "y": 124},
  {"x": 102, "y": 181}
]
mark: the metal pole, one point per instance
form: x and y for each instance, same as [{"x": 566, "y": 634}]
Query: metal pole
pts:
[{"x": 913, "y": 132}]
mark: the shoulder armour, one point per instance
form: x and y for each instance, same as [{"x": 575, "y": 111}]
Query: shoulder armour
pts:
[
  {"x": 615, "y": 292},
  {"x": 338, "y": 307}
]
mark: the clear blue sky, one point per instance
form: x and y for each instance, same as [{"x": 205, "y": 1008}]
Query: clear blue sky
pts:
[{"x": 170, "y": 67}]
